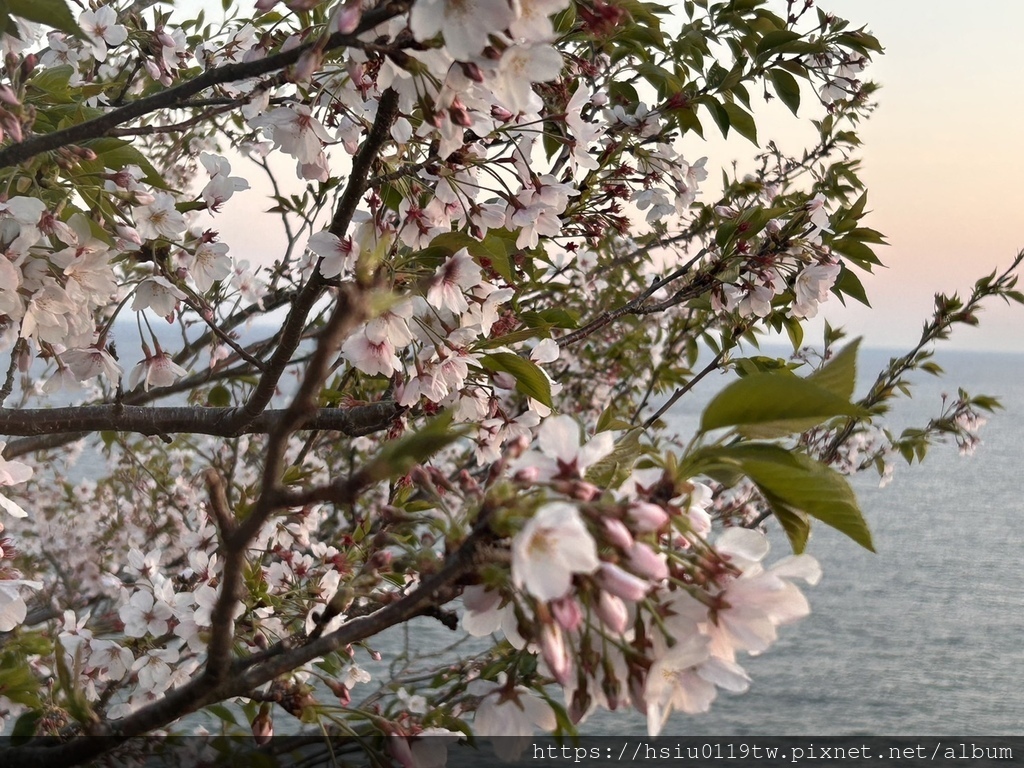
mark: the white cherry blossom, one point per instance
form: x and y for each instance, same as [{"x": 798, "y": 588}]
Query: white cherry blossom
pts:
[
  {"x": 102, "y": 30},
  {"x": 159, "y": 219},
  {"x": 457, "y": 275},
  {"x": 12, "y": 604},
  {"x": 464, "y": 24},
  {"x": 812, "y": 287},
  {"x": 158, "y": 294},
  {"x": 553, "y": 545}
]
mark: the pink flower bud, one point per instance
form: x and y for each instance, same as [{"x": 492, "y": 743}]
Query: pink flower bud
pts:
[
  {"x": 8, "y": 96},
  {"x": 584, "y": 491},
  {"x": 613, "y": 612},
  {"x": 472, "y": 71},
  {"x": 528, "y": 475},
  {"x": 556, "y": 655},
  {"x": 517, "y": 446},
  {"x": 647, "y": 562},
  {"x": 567, "y": 613},
  {"x": 401, "y": 750},
  {"x": 500, "y": 113},
  {"x": 618, "y": 533},
  {"x": 341, "y": 691},
  {"x": 504, "y": 380},
  {"x": 263, "y": 725},
  {"x": 647, "y": 516},
  {"x": 11, "y": 125},
  {"x": 579, "y": 707},
  {"x": 622, "y": 583},
  {"x": 347, "y": 19}
]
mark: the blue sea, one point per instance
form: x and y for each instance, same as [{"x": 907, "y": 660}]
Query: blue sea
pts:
[{"x": 926, "y": 636}]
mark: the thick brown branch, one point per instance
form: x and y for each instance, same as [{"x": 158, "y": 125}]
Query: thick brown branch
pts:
[
  {"x": 222, "y": 618},
  {"x": 221, "y": 422}
]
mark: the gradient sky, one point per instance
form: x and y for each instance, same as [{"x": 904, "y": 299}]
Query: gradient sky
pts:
[
  {"x": 942, "y": 159},
  {"x": 943, "y": 162}
]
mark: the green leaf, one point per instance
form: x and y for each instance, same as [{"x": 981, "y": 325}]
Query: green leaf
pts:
[
  {"x": 856, "y": 251},
  {"x": 116, "y": 154},
  {"x": 786, "y": 88},
  {"x": 400, "y": 456},
  {"x": 612, "y": 470},
  {"x": 53, "y": 83},
  {"x": 218, "y": 397},
  {"x": 52, "y": 13},
  {"x": 530, "y": 379},
  {"x": 794, "y": 483},
  {"x": 17, "y": 680},
  {"x": 721, "y": 117},
  {"x": 25, "y": 727},
  {"x": 742, "y": 121},
  {"x": 850, "y": 285},
  {"x": 773, "y": 405},
  {"x": 794, "y": 522},
  {"x": 839, "y": 375},
  {"x": 777, "y": 39},
  {"x": 222, "y": 712}
]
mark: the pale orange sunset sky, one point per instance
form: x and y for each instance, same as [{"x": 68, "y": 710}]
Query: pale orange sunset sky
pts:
[
  {"x": 942, "y": 157},
  {"x": 943, "y": 161}
]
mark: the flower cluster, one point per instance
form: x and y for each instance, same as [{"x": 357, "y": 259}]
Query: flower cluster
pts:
[{"x": 437, "y": 377}]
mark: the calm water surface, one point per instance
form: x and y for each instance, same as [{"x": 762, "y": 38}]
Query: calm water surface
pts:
[{"x": 927, "y": 635}]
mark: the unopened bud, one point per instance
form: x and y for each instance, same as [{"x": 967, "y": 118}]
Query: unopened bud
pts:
[
  {"x": 622, "y": 583},
  {"x": 8, "y": 96},
  {"x": 263, "y": 725},
  {"x": 618, "y": 533},
  {"x": 306, "y": 66},
  {"x": 349, "y": 14},
  {"x": 500, "y": 113},
  {"x": 647, "y": 516},
  {"x": 471, "y": 71},
  {"x": 527, "y": 475},
  {"x": 517, "y": 446},
  {"x": 341, "y": 691},
  {"x": 567, "y": 612},
  {"x": 647, "y": 562},
  {"x": 459, "y": 115},
  {"x": 579, "y": 707},
  {"x": 555, "y": 653},
  {"x": 613, "y": 612},
  {"x": 28, "y": 65},
  {"x": 584, "y": 491}
]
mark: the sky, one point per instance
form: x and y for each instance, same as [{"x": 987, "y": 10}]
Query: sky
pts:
[
  {"x": 943, "y": 162},
  {"x": 942, "y": 159}
]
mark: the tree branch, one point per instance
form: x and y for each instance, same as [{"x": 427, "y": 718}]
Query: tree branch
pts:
[
  {"x": 172, "y": 97},
  {"x": 434, "y": 591},
  {"x": 221, "y": 422}
]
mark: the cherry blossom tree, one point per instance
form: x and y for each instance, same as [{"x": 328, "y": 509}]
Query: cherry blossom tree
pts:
[{"x": 441, "y": 394}]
